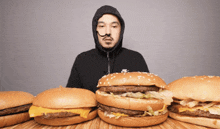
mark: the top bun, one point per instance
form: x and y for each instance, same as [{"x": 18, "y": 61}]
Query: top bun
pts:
[
  {"x": 65, "y": 98},
  {"x": 131, "y": 78},
  {"x": 10, "y": 99},
  {"x": 200, "y": 88}
]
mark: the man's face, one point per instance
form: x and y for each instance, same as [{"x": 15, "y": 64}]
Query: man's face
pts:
[{"x": 110, "y": 25}]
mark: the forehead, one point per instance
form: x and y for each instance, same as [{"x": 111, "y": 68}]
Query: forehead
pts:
[{"x": 108, "y": 18}]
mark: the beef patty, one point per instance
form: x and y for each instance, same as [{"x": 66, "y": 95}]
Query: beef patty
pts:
[
  {"x": 61, "y": 114},
  {"x": 197, "y": 113},
  {"x": 14, "y": 110},
  {"x": 110, "y": 109},
  {"x": 58, "y": 115},
  {"x": 123, "y": 89}
]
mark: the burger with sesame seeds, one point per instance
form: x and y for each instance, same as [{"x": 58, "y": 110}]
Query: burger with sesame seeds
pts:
[
  {"x": 196, "y": 100},
  {"x": 133, "y": 99}
]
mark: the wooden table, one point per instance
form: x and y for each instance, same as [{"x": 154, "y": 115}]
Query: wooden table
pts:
[{"x": 97, "y": 123}]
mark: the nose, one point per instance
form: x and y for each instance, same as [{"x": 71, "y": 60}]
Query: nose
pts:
[
  {"x": 108, "y": 35},
  {"x": 108, "y": 30}
]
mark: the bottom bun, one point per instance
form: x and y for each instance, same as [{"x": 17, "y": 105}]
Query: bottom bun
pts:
[
  {"x": 209, "y": 122},
  {"x": 13, "y": 119},
  {"x": 66, "y": 120},
  {"x": 134, "y": 121}
]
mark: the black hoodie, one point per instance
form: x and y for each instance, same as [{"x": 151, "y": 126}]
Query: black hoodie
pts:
[{"x": 91, "y": 65}]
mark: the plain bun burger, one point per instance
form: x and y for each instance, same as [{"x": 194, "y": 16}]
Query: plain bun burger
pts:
[
  {"x": 64, "y": 106},
  {"x": 14, "y": 106},
  {"x": 132, "y": 99},
  {"x": 196, "y": 100}
]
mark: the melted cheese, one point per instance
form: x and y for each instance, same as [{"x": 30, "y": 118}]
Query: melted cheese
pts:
[
  {"x": 192, "y": 109},
  {"x": 39, "y": 111},
  {"x": 119, "y": 114},
  {"x": 212, "y": 110},
  {"x": 164, "y": 107}
]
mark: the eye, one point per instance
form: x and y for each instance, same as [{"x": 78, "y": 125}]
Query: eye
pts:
[
  {"x": 115, "y": 25},
  {"x": 100, "y": 26}
]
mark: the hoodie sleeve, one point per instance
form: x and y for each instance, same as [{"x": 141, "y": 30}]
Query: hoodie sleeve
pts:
[{"x": 74, "y": 79}]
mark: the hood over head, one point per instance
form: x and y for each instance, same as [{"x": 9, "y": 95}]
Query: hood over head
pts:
[{"x": 106, "y": 9}]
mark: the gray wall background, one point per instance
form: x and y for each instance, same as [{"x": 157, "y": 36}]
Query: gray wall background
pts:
[{"x": 41, "y": 38}]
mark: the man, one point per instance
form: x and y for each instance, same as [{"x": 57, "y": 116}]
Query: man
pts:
[{"x": 109, "y": 56}]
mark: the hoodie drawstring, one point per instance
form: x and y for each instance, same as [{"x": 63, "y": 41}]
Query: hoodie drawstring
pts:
[{"x": 108, "y": 63}]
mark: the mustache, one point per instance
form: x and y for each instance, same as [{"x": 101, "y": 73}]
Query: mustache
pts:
[
  {"x": 108, "y": 38},
  {"x": 105, "y": 36}
]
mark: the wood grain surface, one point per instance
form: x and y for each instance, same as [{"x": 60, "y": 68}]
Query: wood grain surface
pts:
[{"x": 97, "y": 123}]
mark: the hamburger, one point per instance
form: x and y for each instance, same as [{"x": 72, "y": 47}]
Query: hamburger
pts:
[
  {"x": 14, "y": 106},
  {"x": 63, "y": 106},
  {"x": 196, "y": 100},
  {"x": 132, "y": 99}
]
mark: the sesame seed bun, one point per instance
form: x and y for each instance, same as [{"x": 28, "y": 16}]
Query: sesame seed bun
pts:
[
  {"x": 116, "y": 101},
  {"x": 131, "y": 78},
  {"x": 130, "y": 103},
  {"x": 134, "y": 121},
  {"x": 209, "y": 122},
  {"x": 200, "y": 88}
]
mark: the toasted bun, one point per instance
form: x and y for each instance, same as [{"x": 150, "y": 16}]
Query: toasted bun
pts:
[
  {"x": 66, "y": 120},
  {"x": 10, "y": 99},
  {"x": 133, "y": 121},
  {"x": 13, "y": 119},
  {"x": 65, "y": 98},
  {"x": 209, "y": 122},
  {"x": 129, "y": 103},
  {"x": 200, "y": 88},
  {"x": 131, "y": 78}
]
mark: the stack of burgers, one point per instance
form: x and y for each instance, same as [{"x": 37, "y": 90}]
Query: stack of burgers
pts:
[
  {"x": 133, "y": 99},
  {"x": 196, "y": 100}
]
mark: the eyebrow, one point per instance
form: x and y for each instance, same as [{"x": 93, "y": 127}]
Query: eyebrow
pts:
[
  {"x": 100, "y": 22},
  {"x": 116, "y": 22},
  {"x": 111, "y": 23}
]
